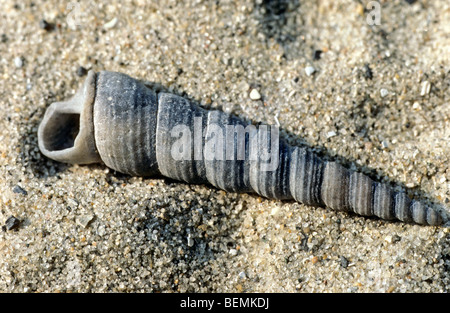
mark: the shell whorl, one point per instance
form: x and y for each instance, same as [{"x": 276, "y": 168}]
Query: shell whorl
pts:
[
  {"x": 125, "y": 124},
  {"x": 119, "y": 121}
]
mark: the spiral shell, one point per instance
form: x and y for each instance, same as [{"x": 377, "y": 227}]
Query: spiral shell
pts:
[{"x": 117, "y": 120}]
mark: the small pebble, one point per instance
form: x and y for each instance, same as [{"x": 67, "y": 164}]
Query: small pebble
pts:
[
  {"x": 101, "y": 230},
  {"x": 190, "y": 241},
  {"x": 72, "y": 203},
  {"x": 384, "y": 92},
  {"x": 344, "y": 262},
  {"x": 317, "y": 54},
  {"x": 111, "y": 23},
  {"x": 20, "y": 190},
  {"x": 84, "y": 220},
  {"x": 81, "y": 71},
  {"x": 331, "y": 134},
  {"x": 426, "y": 87},
  {"x": 309, "y": 70},
  {"x": 43, "y": 24},
  {"x": 18, "y": 62},
  {"x": 410, "y": 1},
  {"x": 12, "y": 223},
  {"x": 367, "y": 72},
  {"x": 244, "y": 86},
  {"x": 255, "y": 95},
  {"x": 4, "y": 38}
]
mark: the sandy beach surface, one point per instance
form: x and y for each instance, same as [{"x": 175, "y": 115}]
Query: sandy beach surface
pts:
[{"x": 374, "y": 97}]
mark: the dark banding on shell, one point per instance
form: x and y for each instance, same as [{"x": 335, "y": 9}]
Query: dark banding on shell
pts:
[
  {"x": 118, "y": 120},
  {"x": 306, "y": 176},
  {"x": 125, "y": 124}
]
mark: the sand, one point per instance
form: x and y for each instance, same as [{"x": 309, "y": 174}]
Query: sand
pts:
[{"x": 373, "y": 97}]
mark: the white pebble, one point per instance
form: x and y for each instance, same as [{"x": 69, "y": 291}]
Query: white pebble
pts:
[
  {"x": 384, "y": 92},
  {"x": 242, "y": 275},
  {"x": 416, "y": 106},
  {"x": 309, "y": 70},
  {"x": 331, "y": 134},
  {"x": 275, "y": 210},
  {"x": 426, "y": 87},
  {"x": 72, "y": 203},
  {"x": 255, "y": 95},
  {"x": 101, "y": 230},
  {"x": 111, "y": 23},
  {"x": 233, "y": 252},
  {"x": 244, "y": 86},
  {"x": 18, "y": 62},
  {"x": 190, "y": 241},
  {"x": 84, "y": 220}
]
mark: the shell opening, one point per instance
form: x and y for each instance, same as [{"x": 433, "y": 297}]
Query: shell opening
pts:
[
  {"x": 61, "y": 131},
  {"x": 66, "y": 133}
]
